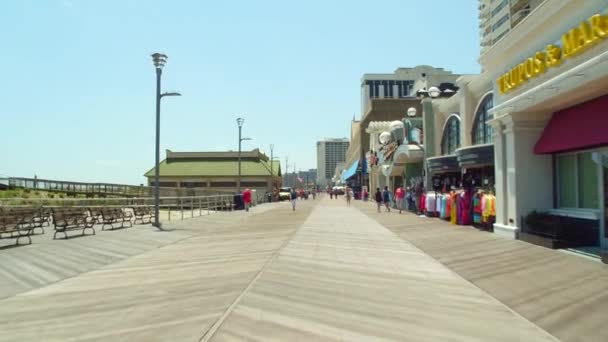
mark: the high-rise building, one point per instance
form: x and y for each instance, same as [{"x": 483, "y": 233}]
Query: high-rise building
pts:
[
  {"x": 402, "y": 83},
  {"x": 329, "y": 153},
  {"x": 497, "y": 17}
]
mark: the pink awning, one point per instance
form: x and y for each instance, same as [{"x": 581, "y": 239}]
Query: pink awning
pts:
[{"x": 580, "y": 127}]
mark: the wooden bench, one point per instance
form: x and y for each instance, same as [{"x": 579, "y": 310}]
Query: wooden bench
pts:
[
  {"x": 95, "y": 215},
  {"x": 71, "y": 218},
  {"x": 45, "y": 217},
  {"x": 143, "y": 214},
  {"x": 111, "y": 216},
  {"x": 30, "y": 217},
  {"x": 15, "y": 225}
]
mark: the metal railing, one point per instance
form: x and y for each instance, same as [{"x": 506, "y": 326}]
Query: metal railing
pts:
[
  {"x": 171, "y": 207},
  {"x": 102, "y": 189}
]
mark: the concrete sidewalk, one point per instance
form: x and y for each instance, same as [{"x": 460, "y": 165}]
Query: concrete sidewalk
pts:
[
  {"x": 565, "y": 294},
  {"x": 344, "y": 277}
]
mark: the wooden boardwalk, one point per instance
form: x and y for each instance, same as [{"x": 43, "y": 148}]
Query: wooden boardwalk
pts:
[
  {"x": 344, "y": 277},
  {"x": 173, "y": 293},
  {"x": 323, "y": 272},
  {"x": 565, "y": 294}
]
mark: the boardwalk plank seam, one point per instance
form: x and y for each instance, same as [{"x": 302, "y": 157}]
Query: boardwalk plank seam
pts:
[{"x": 210, "y": 333}]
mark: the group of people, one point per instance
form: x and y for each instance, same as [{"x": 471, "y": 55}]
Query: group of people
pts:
[
  {"x": 384, "y": 198},
  {"x": 301, "y": 194}
]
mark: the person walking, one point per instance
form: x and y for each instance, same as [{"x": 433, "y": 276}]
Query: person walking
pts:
[
  {"x": 399, "y": 197},
  {"x": 247, "y": 198},
  {"x": 293, "y": 197},
  {"x": 378, "y": 198},
  {"x": 348, "y": 194},
  {"x": 386, "y": 198}
]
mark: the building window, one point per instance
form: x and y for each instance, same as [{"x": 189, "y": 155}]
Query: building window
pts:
[
  {"x": 193, "y": 184},
  {"x": 577, "y": 181},
  {"x": 500, "y": 36},
  {"x": 165, "y": 184},
  {"x": 500, "y": 21},
  {"x": 223, "y": 184},
  {"x": 500, "y": 7},
  {"x": 482, "y": 132},
  {"x": 451, "y": 135},
  {"x": 388, "y": 88},
  {"x": 254, "y": 184}
]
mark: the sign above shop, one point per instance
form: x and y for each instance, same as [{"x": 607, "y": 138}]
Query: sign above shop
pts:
[{"x": 574, "y": 42}]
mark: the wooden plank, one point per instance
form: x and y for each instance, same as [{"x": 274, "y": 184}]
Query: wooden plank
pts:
[
  {"x": 172, "y": 293},
  {"x": 344, "y": 277},
  {"x": 562, "y": 293}
]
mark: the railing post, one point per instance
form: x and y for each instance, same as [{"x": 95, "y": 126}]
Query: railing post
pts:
[
  {"x": 200, "y": 210},
  {"x": 169, "y": 210},
  {"x": 181, "y": 207},
  {"x": 191, "y": 208}
]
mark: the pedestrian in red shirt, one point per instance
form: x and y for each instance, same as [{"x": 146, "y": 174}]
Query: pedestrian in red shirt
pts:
[
  {"x": 247, "y": 198},
  {"x": 399, "y": 196}
]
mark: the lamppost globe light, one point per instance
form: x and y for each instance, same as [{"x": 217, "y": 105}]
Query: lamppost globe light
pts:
[
  {"x": 411, "y": 112},
  {"x": 434, "y": 92},
  {"x": 159, "y": 60},
  {"x": 240, "y": 121}
]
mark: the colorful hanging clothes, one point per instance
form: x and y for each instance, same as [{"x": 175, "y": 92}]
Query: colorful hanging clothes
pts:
[
  {"x": 422, "y": 203},
  {"x": 438, "y": 204},
  {"x": 454, "y": 208},
  {"x": 430, "y": 203},
  {"x": 448, "y": 206},
  {"x": 477, "y": 209},
  {"x": 490, "y": 208},
  {"x": 460, "y": 210},
  {"x": 465, "y": 215}
]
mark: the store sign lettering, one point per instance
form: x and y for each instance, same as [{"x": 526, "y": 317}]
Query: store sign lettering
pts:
[{"x": 574, "y": 42}]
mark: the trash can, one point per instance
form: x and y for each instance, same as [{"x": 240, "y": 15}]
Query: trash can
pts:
[{"x": 238, "y": 202}]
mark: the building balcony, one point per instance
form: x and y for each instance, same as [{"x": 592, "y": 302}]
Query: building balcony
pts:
[
  {"x": 517, "y": 5},
  {"x": 517, "y": 17}
]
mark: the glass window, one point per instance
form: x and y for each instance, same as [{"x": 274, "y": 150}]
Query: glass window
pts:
[
  {"x": 482, "y": 132},
  {"x": 451, "y": 136},
  {"x": 566, "y": 173},
  {"x": 587, "y": 181},
  {"x": 578, "y": 181}
]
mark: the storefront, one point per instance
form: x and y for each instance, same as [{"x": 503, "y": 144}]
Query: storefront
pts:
[
  {"x": 462, "y": 178},
  {"x": 549, "y": 120}
]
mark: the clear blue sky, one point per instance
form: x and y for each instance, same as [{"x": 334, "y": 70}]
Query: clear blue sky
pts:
[{"x": 77, "y": 95}]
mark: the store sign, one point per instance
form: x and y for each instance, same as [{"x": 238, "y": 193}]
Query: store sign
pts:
[{"x": 574, "y": 42}]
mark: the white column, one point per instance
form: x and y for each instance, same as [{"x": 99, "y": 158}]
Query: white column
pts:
[
  {"x": 381, "y": 91},
  {"x": 524, "y": 180},
  {"x": 500, "y": 174},
  {"x": 395, "y": 91},
  {"x": 365, "y": 96}
]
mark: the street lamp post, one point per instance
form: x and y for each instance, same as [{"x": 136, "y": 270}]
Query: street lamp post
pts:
[
  {"x": 159, "y": 61},
  {"x": 271, "y": 168},
  {"x": 272, "y": 159},
  {"x": 239, "y": 122},
  {"x": 432, "y": 93}
]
